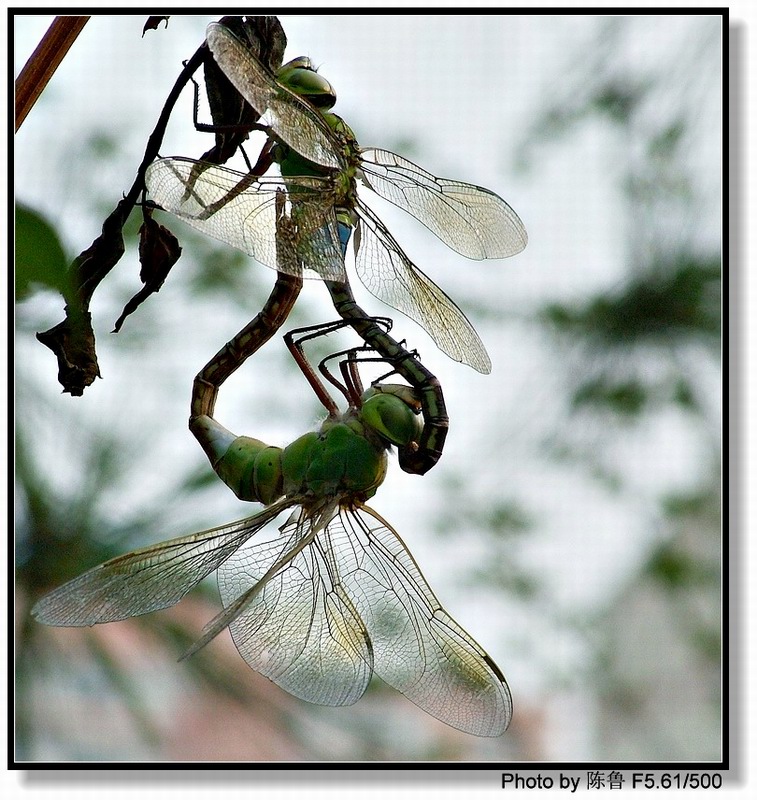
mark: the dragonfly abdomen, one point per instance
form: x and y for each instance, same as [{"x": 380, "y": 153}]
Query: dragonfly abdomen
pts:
[{"x": 250, "y": 468}]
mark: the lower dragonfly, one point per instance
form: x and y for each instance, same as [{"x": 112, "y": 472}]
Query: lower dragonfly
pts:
[{"x": 331, "y": 598}]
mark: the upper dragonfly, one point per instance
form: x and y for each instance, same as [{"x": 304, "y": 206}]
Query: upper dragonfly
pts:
[{"x": 320, "y": 163}]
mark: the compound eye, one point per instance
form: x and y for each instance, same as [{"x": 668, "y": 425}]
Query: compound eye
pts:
[{"x": 391, "y": 418}]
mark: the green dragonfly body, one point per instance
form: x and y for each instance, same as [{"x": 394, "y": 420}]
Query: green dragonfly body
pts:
[{"x": 330, "y": 597}]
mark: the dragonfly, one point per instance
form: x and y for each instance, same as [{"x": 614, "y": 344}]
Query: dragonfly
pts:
[
  {"x": 320, "y": 161},
  {"x": 331, "y": 597}
]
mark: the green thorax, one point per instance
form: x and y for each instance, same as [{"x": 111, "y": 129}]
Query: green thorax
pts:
[
  {"x": 300, "y": 76},
  {"x": 344, "y": 459},
  {"x": 293, "y": 165}
]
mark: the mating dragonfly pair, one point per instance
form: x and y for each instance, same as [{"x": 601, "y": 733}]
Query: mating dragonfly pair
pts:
[{"x": 335, "y": 595}]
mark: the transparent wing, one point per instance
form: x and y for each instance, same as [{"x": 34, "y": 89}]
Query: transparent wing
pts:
[
  {"x": 417, "y": 647},
  {"x": 148, "y": 579},
  {"x": 390, "y": 275},
  {"x": 471, "y": 220},
  {"x": 299, "y": 629},
  {"x": 254, "y": 214},
  {"x": 292, "y": 119}
]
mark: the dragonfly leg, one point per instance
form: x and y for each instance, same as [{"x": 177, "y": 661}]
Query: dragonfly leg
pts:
[
  {"x": 294, "y": 340},
  {"x": 352, "y": 386},
  {"x": 295, "y": 348},
  {"x": 419, "y": 457}
]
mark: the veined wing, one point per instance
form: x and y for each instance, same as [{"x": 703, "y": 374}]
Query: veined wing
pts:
[
  {"x": 290, "y": 117},
  {"x": 298, "y": 628},
  {"x": 244, "y": 212},
  {"x": 417, "y": 647},
  {"x": 390, "y": 275},
  {"x": 148, "y": 579},
  {"x": 471, "y": 220}
]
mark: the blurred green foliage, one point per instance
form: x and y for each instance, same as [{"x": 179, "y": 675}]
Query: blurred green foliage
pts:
[
  {"x": 39, "y": 257},
  {"x": 678, "y": 300}
]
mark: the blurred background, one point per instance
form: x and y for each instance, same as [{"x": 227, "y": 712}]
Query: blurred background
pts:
[{"x": 573, "y": 524}]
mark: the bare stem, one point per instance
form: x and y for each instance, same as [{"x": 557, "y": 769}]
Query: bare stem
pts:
[{"x": 44, "y": 61}]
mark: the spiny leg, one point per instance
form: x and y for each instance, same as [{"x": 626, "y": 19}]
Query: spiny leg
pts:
[
  {"x": 352, "y": 386},
  {"x": 294, "y": 340}
]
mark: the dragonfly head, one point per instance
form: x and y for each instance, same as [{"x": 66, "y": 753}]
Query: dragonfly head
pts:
[
  {"x": 392, "y": 411},
  {"x": 301, "y": 77}
]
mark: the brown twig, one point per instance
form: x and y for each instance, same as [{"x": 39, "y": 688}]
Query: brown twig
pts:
[{"x": 44, "y": 61}]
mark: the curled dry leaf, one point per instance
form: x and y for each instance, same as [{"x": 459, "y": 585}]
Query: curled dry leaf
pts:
[
  {"x": 153, "y": 23},
  {"x": 159, "y": 250}
]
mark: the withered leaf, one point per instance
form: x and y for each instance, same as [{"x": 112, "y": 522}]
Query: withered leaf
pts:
[
  {"x": 73, "y": 342},
  {"x": 152, "y": 24},
  {"x": 159, "y": 250},
  {"x": 232, "y": 116}
]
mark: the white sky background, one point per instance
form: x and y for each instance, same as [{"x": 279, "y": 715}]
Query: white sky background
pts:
[{"x": 463, "y": 94}]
